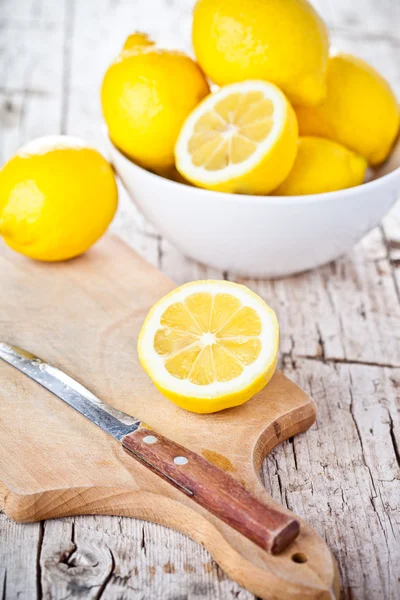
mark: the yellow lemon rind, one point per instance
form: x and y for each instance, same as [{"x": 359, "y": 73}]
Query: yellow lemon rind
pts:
[
  {"x": 212, "y": 397},
  {"x": 266, "y": 168}
]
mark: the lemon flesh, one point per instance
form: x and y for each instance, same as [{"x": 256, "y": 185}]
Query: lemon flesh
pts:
[
  {"x": 57, "y": 197},
  {"x": 322, "y": 165},
  {"x": 360, "y": 110},
  {"x": 241, "y": 139},
  {"x": 146, "y": 95},
  {"x": 286, "y": 43},
  {"x": 209, "y": 345}
]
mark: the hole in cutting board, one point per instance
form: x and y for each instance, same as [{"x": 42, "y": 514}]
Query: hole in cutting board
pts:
[{"x": 299, "y": 558}]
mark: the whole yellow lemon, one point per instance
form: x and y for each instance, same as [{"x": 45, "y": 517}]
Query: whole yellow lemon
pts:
[
  {"x": 285, "y": 43},
  {"x": 146, "y": 95},
  {"x": 360, "y": 110},
  {"x": 57, "y": 197},
  {"x": 322, "y": 166}
]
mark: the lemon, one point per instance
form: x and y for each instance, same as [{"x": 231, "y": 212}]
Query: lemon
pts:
[
  {"x": 146, "y": 95},
  {"x": 57, "y": 197},
  {"x": 360, "y": 110},
  {"x": 322, "y": 165},
  {"x": 285, "y": 43},
  {"x": 209, "y": 345},
  {"x": 241, "y": 139}
]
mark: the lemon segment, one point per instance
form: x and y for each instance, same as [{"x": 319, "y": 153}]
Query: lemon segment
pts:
[
  {"x": 241, "y": 139},
  {"x": 209, "y": 345}
]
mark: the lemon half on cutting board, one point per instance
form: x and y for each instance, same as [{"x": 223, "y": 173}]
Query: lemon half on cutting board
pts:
[
  {"x": 242, "y": 139},
  {"x": 209, "y": 345}
]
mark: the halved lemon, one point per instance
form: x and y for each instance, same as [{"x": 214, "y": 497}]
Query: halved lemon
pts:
[
  {"x": 242, "y": 139},
  {"x": 209, "y": 345}
]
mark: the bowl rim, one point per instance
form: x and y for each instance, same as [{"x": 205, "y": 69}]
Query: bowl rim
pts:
[{"x": 282, "y": 200}]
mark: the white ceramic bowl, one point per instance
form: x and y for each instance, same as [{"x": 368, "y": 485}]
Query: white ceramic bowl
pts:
[{"x": 257, "y": 236}]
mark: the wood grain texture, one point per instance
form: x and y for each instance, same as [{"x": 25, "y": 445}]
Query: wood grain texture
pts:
[
  {"x": 213, "y": 489},
  {"x": 84, "y": 317},
  {"x": 345, "y": 473},
  {"x": 342, "y": 476}
]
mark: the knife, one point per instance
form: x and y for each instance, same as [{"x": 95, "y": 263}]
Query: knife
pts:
[{"x": 208, "y": 485}]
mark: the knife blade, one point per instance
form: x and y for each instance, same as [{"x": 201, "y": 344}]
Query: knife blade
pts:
[
  {"x": 111, "y": 420},
  {"x": 209, "y": 486}
]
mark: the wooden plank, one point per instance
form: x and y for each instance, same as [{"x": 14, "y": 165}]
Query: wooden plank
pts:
[
  {"x": 27, "y": 63},
  {"x": 11, "y": 119},
  {"x": 118, "y": 557},
  {"x": 367, "y": 18},
  {"x": 31, "y": 83},
  {"x": 391, "y": 230},
  {"x": 181, "y": 269},
  {"x": 31, "y": 11},
  {"x": 131, "y": 227},
  {"x": 19, "y": 547},
  {"x": 343, "y": 475}
]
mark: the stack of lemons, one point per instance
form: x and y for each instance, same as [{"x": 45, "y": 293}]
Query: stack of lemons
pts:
[{"x": 287, "y": 118}]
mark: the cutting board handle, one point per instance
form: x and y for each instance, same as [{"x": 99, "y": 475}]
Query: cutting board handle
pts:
[{"x": 213, "y": 489}]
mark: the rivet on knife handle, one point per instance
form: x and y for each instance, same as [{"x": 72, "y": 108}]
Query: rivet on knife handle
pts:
[{"x": 213, "y": 489}]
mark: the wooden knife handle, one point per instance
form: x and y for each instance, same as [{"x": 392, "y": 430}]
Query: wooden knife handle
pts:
[{"x": 213, "y": 489}]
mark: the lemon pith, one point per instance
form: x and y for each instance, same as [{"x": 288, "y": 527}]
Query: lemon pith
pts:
[
  {"x": 209, "y": 345},
  {"x": 241, "y": 139},
  {"x": 57, "y": 197},
  {"x": 146, "y": 95},
  {"x": 286, "y": 43}
]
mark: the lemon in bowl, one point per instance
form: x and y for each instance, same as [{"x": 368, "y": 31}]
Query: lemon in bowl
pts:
[
  {"x": 146, "y": 95},
  {"x": 57, "y": 197},
  {"x": 360, "y": 110},
  {"x": 283, "y": 42},
  {"x": 321, "y": 166},
  {"x": 241, "y": 139}
]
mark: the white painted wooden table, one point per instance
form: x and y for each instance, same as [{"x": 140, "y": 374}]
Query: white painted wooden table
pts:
[{"x": 340, "y": 333}]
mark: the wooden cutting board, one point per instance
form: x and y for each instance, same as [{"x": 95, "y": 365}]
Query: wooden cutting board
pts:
[{"x": 84, "y": 317}]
